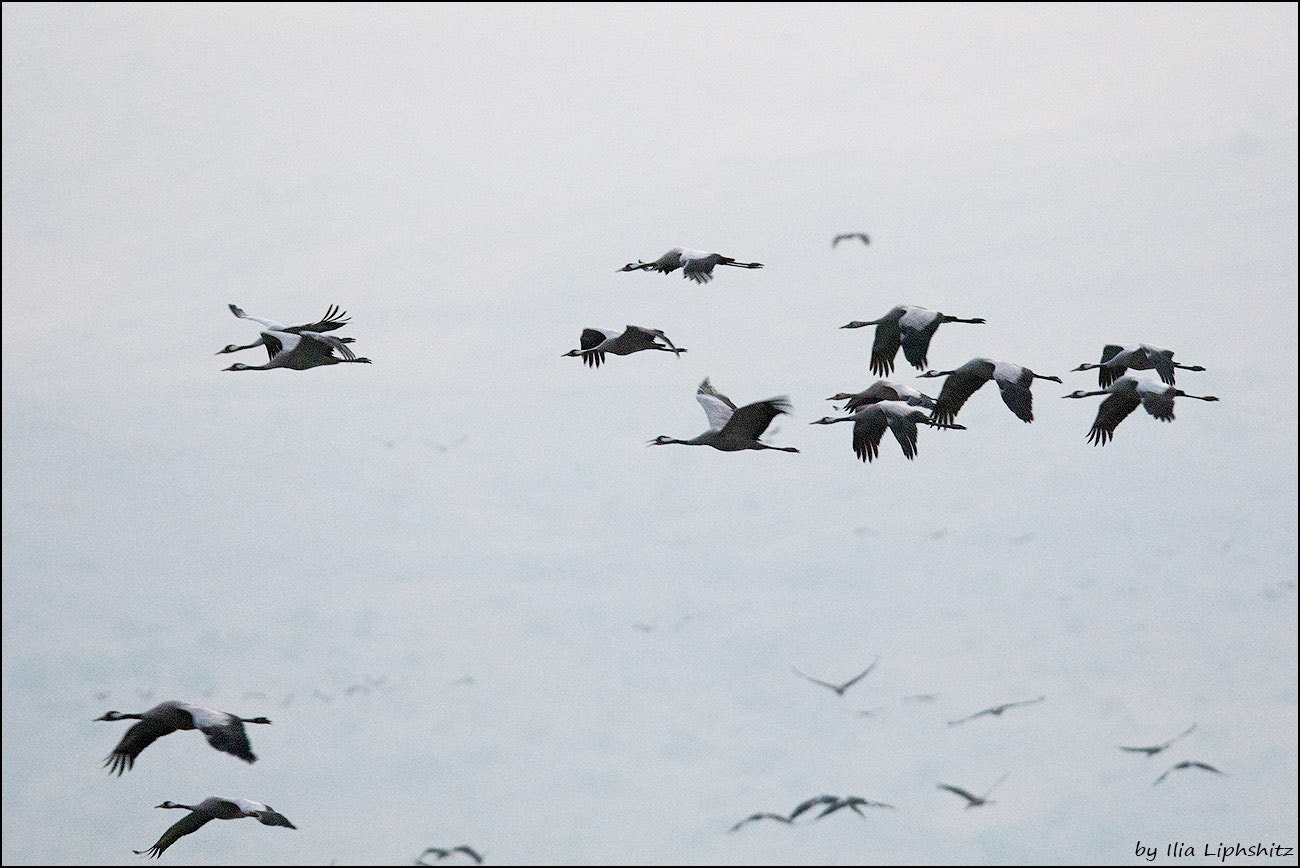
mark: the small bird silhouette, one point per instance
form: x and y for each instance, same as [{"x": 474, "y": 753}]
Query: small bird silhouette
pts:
[
  {"x": 855, "y": 803},
  {"x": 1188, "y": 764},
  {"x": 809, "y": 804},
  {"x": 847, "y": 235},
  {"x": 996, "y": 710},
  {"x": 973, "y": 801},
  {"x": 760, "y": 816},
  {"x": 840, "y": 688},
  {"x": 1155, "y": 749},
  {"x": 441, "y": 853}
]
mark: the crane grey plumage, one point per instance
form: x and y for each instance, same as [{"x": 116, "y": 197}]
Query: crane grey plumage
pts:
[
  {"x": 1116, "y": 359},
  {"x": 224, "y": 731},
  {"x": 847, "y": 235},
  {"x": 697, "y": 265},
  {"x": 300, "y": 351},
  {"x": 871, "y": 421},
  {"x": 907, "y": 326},
  {"x": 1013, "y": 382},
  {"x": 732, "y": 429},
  {"x": 883, "y": 390},
  {"x": 333, "y": 319},
  {"x": 214, "y": 808},
  {"x": 595, "y": 343},
  {"x": 1123, "y": 397}
]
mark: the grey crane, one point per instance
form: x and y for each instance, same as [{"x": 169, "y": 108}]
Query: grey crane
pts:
[
  {"x": 906, "y": 325},
  {"x": 996, "y": 711},
  {"x": 732, "y": 429},
  {"x": 596, "y": 342},
  {"x": 840, "y": 688},
  {"x": 972, "y": 800},
  {"x": 870, "y": 422},
  {"x": 883, "y": 390},
  {"x": 1155, "y": 749},
  {"x": 214, "y": 808},
  {"x": 695, "y": 264},
  {"x": 1187, "y": 764},
  {"x": 1013, "y": 381},
  {"x": 224, "y": 731},
  {"x": 301, "y": 351},
  {"x": 1116, "y": 359},
  {"x": 848, "y": 236},
  {"x": 1123, "y": 397},
  {"x": 334, "y": 318}
]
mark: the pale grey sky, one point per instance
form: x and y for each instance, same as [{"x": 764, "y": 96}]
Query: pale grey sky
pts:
[{"x": 472, "y": 527}]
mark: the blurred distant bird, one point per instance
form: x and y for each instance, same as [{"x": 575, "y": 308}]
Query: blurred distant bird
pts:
[
  {"x": 732, "y": 429},
  {"x": 973, "y": 801},
  {"x": 996, "y": 711},
  {"x": 597, "y": 342},
  {"x": 906, "y": 325},
  {"x": 883, "y": 390},
  {"x": 855, "y": 803},
  {"x": 695, "y": 264},
  {"x": 440, "y": 853},
  {"x": 1116, "y": 359},
  {"x": 1014, "y": 382},
  {"x": 762, "y": 816},
  {"x": 1187, "y": 764},
  {"x": 848, "y": 235},
  {"x": 1124, "y": 395},
  {"x": 301, "y": 351},
  {"x": 333, "y": 319},
  {"x": 840, "y": 688},
  {"x": 224, "y": 731},
  {"x": 808, "y": 804},
  {"x": 214, "y": 808},
  {"x": 870, "y": 422},
  {"x": 1152, "y": 751}
]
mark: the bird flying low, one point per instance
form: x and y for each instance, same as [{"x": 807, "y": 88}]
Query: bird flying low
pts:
[
  {"x": 214, "y": 808},
  {"x": 224, "y": 731},
  {"x": 596, "y": 342},
  {"x": 695, "y": 264},
  {"x": 908, "y": 326},
  {"x": 732, "y": 429},
  {"x": 1123, "y": 397},
  {"x": 1013, "y": 381}
]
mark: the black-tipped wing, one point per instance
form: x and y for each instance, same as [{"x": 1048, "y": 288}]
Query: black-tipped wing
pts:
[
  {"x": 885, "y": 347},
  {"x": 904, "y": 428},
  {"x": 1113, "y": 410},
  {"x": 592, "y": 338},
  {"x": 916, "y": 342},
  {"x": 270, "y": 817},
  {"x": 274, "y": 346},
  {"x": 191, "y": 822},
  {"x": 230, "y": 738},
  {"x": 1018, "y": 398},
  {"x": 333, "y": 319},
  {"x": 750, "y": 421},
  {"x": 1164, "y": 365},
  {"x": 867, "y": 434},
  {"x": 470, "y": 852},
  {"x": 137, "y": 738},
  {"x": 957, "y": 389},
  {"x": 1107, "y": 373},
  {"x": 1159, "y": 405}
]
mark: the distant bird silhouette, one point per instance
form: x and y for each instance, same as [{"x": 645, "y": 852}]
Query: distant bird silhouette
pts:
[
  {"x": 761, "y": 816},
  {"x": 1188, "y": 764},
  {"x": 809, "y": 804},
  {"x": 1123, "y": 397},
  {"x": 870, "y": 422},
  {"x": 224, "y": 731},
  {"x": 847, "y": 235},
  {"x": 695, "y": 264},
  {"x": 732, "y": 429},
  {"x": 906, "y": 325},
  {"x": 1116, "y": 359},
  {"x": 840, "y": 688},
  {"x": 440, "y": 853},
  {"x": 972, "y": 800},
  {"x": 298, "y": 352},
  {"x": 855, "y": 803},
  {"x": 214, "y": 808},
  {"x": 996, "y": 711},
  {"x": 334, "y": 318},
  {"x": 883, "y": 390},
  {"x": 1013, "y": 381},
  {"x": 597, "y": 342},
  {"x": 1155, "y": 749}
]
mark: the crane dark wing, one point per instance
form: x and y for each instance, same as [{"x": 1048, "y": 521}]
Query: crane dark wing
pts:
[
  {"x": 333, "y": 319},
  {"x": 956, "y": 390},
  {"x": 191, "y": 822},
  {"x": 1018, "y": 398},
  {"x": 470, "y": 852},
  {"x": 1113, "y": 410},
  {"x": 1164, "y": 365},
  {"x": 750, "y": 421},
  {"x": 273, "y": 344},
  {"x": 885, "y": 347},
  {"x": 137, "y": 738},
  {"x": 592, "y": 338},
  {"x": 867, "y": 434},
  {"x": 271, "y": 817},
  {"x": 904, "y": 428},
  {"x": 230, "y": 738},
  {"x": 916, "y": 342}
]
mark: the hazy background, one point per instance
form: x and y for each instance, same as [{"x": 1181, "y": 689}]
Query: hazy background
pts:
[{"x": 477, "y": 607}]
